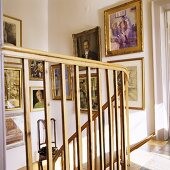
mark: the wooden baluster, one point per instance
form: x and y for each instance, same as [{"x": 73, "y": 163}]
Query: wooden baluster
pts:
[
  {"x": 74, "y": 154},
  {"x": 117, "y": 121},
  {"x": 88, "y": 154},
  {"x": 100, "y": 118},
  {"x": 47, "y": 115},
  {"x": 104, "y": 143},
  {"x": 122, "y": 105},
  {"x": 27, "y": 124},
  {"x": 110, "y": 119},
  {"x": 95, "y": 144},
  {"x": 64, "y": 116},
  {"x": 127, "y": 122},
  {"x": 77, "y": 112},
  {"x": 89, "y": 97}
]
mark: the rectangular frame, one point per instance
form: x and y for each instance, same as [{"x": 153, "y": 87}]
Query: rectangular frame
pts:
[
  {"x": 36, "y": 104},
  {"x": 89, "y": 40},
  {"x": 136, "y": 86},
  {"x": 14, "y": 131},
  {"x": 13, "y": 88},
  {"x": 36, "y": 69},
  {"x": 56, "y": 82},
  {"x": 12, "y": 30},
  {"x": 123, "y": 29},
  {"x": 83, "y": 92}
]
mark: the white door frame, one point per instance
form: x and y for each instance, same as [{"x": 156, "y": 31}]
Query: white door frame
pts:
[
  {"x": 160, "y": 65},
  {"x": 2, "y": 104}
]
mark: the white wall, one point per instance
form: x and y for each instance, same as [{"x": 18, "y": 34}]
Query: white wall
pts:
[
  {"x": 34, "y": 16},
  {"x": 70, "y": 17}
]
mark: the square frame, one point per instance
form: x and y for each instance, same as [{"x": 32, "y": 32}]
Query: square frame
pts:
[
  {"x": 56, "y": 82},
  {"x": 36, "y": 70},
  {"x": 89, "y": 40},
  {"x": 123, "y": 29},
  {"x": 14, "y": 131},
  {"x": 136, "y": 87},
  {"x": 12, "y": 30},
  {"x": 83, "y": 92},
  {"x": 37, "y": 99},
  {"x": 13, "y": 88}
]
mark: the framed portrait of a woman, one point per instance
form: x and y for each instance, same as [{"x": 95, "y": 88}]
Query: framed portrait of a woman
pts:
[
  {"x": 123, "y": 29},
  {"x": 37, "y": 99}
]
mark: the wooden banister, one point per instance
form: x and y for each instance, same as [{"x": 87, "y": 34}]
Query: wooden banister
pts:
[{"x": 85, "y": 125}]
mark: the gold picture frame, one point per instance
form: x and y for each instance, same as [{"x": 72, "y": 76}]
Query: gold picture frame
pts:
[
  {"x": 88, "y": 41},
  {"x": 36, "y": 70},
  {"x": 13, "y": 88},
  {"x": 83, "y": 92},
  {"x": 12, "y": 30},
  {"x": 37, "y": 99},
  {"x": 56, "y": 82},
  {"x": 123, "y": 29},
  {"x": 136, "y": 87}
]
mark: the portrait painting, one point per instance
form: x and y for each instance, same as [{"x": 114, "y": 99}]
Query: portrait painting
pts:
[
  {"x": 37, "y": 99},
  {"x": 12, "y": 30},
  {"x": 136, "y": 82},
  {"x": 123, "y": 29},
  {"x": 87, "y": 44},
  {"x": 36, "y": 68},
  {"x": 83, "y": 92},
  {"x": 56, "y": 82},
  {"x": 13, "y": 88},
  {"x": 14, "y": 131}
]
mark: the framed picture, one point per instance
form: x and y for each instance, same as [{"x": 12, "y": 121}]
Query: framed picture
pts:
[
  {"x": 56, "y": 82},
  {"x": 12, "y": 29},
  {"x": 36, "y": 69},
  {"x": 14, "y": 131},
  {"x": 83, "y": 92},
  {"x": 87, "y": 44},
  {"x": 123, "y": 29},
  {"x": 136, "y": 92},
  {"x": 37, "y": 99},
  {"x": 13, "y": 88}
]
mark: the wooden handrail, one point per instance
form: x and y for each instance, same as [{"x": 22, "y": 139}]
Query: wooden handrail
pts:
[{"x": 85, "y": 125}]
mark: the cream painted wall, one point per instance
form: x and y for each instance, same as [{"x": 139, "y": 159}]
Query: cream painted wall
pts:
[
  {"x": 70, "y": 17},
  {"x": 34, "y": 16}
]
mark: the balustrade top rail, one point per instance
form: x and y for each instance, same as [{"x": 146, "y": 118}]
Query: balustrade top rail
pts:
[{"x": 19, "y": 52}]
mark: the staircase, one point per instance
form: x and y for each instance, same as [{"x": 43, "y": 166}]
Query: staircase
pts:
[{"x": 103, "y": 141}]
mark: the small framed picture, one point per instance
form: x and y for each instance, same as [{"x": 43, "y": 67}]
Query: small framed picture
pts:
[
  {"x": 123, "y": 29},
  {"x": 83, "y": 92},
  {"x": 36, "y": 70},
  {"x": 136, "y": 88},
  {"x": 12, "y": 30},
  {"x": 13, "y": 88},
  {"x": 37, "y": 99},
  {"x": 14, "y": 131},
  {"x": 87, "y": 44},
  {"x": 56, "y": 82}
]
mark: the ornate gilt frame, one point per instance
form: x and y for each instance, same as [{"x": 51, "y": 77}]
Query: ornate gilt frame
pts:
[
  {"x": 114, "y": 42},
  {"x": 20, "y": 88}
]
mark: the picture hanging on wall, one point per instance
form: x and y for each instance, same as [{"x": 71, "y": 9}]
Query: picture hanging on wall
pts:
[
  {"x": 14, "y": 131},
  {"x": 56, "y": 82},
  {"x": 123, "y": 29},
  {"x": 87, "y": 44},
  {"x": 136, "y": 86},
  {"x": 12, "y": 30},
  {"x": 37, "y": 99},
  {"x": 36, "y": 68},
  {"x": 83, "y": 92},
  {"x": 13, "y": 88}
]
